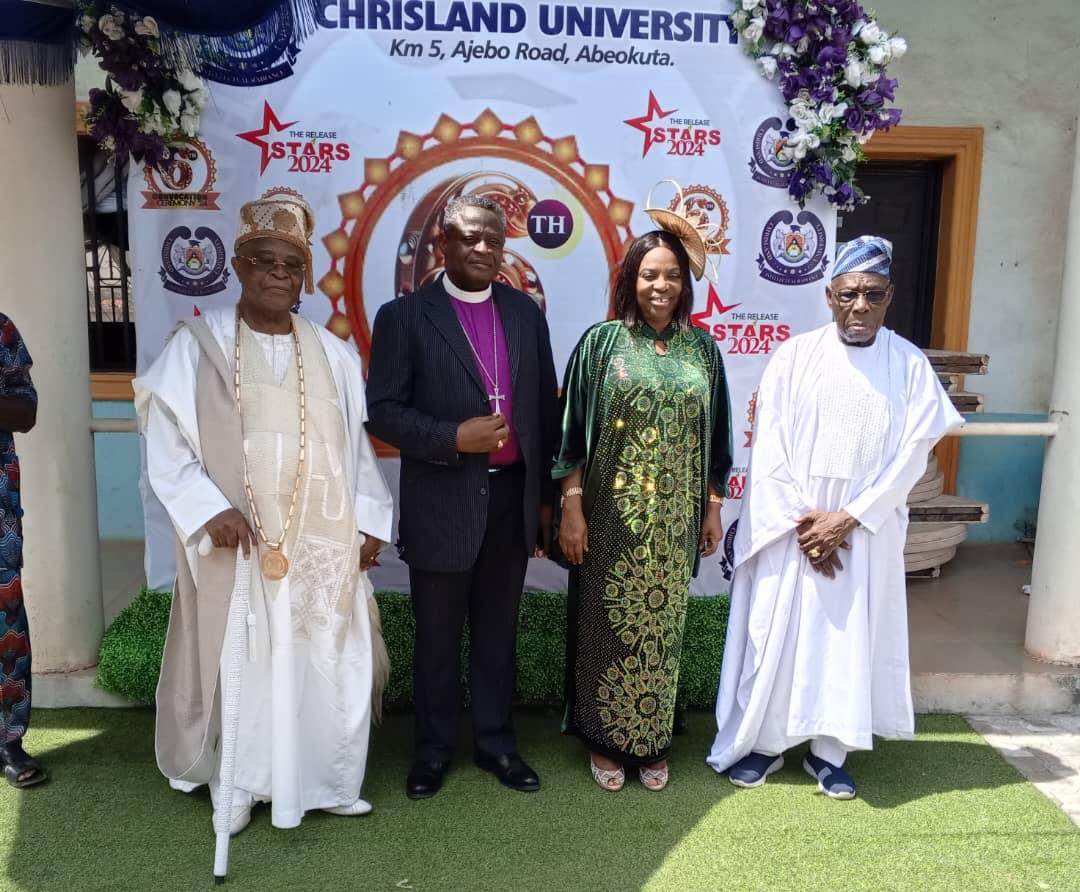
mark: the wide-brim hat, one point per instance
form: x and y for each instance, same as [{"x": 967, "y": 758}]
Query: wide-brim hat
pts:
[{"x": 689, "y": 227}]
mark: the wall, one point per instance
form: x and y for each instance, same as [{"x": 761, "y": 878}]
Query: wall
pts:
[{"x": 117, "y": 461}]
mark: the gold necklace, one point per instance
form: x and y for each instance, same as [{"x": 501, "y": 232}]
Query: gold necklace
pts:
[{"x": 274, "y": 564}]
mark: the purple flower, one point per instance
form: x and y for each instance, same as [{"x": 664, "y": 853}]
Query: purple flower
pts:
[{"x": 855, "y": 118}]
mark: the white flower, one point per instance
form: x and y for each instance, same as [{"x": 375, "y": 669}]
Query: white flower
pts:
[
  {"x": 155, "y": 124},
  {"x": 897, "y": 47},
  {"x": 802, "y": 110},
  {"x": 750, "y": 5},
  {"x": 784, "y": 50},
  {"x": 879, "y": 53},
  {"x": 801, "y": 142},
  {"x": 86, "y": 23},
  {"x": 848, "y": 154},
  {"x": 132, "y": 100},
  {"x": 189, "y": 80},
  {"x": 189, "y": 124},
  {"x": 864, "y": 138},
  {"x": 754, "y": 31},
  {"x": 803, "y": 45},
  {"x": 870, "y": 34},
  {"x": 854, "y": 71},
  {"x": 829, "y": 112},
  {"x": 768, "y": 66},
  {"x": 171, "y": 100},
  {"x": 740, "y": 19},
  {"x": 108, "y": 144},
  {"x": 147, "y": 27},
  {"x": 109, "y": 28}
]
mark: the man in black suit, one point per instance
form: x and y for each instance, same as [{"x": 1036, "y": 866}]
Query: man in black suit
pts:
[{"x": 462, "y": 382}]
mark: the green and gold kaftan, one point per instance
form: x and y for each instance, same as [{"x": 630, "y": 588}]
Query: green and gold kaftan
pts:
[{"x": 650, "y": 431}]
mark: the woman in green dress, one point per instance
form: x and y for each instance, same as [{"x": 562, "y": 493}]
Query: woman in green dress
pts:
[{"x": 643, "y": 466}]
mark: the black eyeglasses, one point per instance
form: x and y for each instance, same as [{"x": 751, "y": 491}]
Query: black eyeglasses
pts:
[
  {"x": 875, "y": 296},
  {"x": 264, "y": 265}
]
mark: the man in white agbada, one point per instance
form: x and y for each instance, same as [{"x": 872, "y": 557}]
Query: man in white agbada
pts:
[
  {"x": 291, "y": 480},
  {"x": 817, "y": 645}
]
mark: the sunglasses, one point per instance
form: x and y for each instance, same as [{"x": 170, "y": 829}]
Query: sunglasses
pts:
[
  {"x": 264, "y": 265},
  {"x": 849, "y": 296}
]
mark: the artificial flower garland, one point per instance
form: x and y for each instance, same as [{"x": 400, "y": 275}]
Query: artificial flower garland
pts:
[
  {"x": 148, "y": 100},
  {"x": 828, "y": 58}
]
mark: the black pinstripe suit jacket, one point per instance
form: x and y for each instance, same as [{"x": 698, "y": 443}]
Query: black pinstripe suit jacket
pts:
[{"x": 422, "y": 383}]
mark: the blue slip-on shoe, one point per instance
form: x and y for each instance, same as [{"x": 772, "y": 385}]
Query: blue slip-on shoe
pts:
[
  {"x": 834, "y": 782},
  {"x": 751, "y": 771}
]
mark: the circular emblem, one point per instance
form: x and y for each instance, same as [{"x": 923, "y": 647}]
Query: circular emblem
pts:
[
  {"x": 551, "y": 223},
  {"x": 793, "y": 249},
  {"x": 184, "y": 179},
  {"x": 727, "y": 563},
  {"x": 712, "y": 213},
  {"x": 193, "y": 263},
  {"x": 255, "y": 57},
  {"x": 768, "y": 166}
]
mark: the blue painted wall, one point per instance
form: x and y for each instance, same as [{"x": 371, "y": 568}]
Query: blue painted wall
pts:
[
  {"x": 1004, "y": 471},
  {"x": 116, "y": 457}
]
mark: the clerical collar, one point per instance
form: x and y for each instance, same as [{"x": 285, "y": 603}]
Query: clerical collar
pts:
[
  {"x": 651, "y": 332},
  {"x": 469, "y": 297}
]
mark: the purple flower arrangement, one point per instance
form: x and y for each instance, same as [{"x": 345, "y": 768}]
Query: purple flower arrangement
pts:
[
  {"x": 828, "y": 57},
  {"x": 147, "y": 101}
]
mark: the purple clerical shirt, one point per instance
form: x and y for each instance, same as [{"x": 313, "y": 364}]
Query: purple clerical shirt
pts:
[{"x": 476, "y": 321}]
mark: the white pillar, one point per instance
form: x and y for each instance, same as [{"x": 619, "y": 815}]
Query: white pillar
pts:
[
  {"x": 1053, "y": 624},
  {"x": 44, "y": 292}
]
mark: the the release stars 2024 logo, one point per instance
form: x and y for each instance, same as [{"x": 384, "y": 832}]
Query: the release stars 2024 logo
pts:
[
  {"x": 679, "y": 136},
  {"x": 740, "y": 334},
  {"x": 304, "y": 151},
  {"x": 193, "y": 263},
  {"x": 793, "y": 249}
]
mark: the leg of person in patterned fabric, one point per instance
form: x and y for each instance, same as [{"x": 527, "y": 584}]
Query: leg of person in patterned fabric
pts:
[{"x": 20, "y": 769}]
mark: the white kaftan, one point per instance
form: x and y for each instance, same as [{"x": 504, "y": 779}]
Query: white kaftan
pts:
[
  {"x": 305, "y": 698},
  {"x": 837, "y": 428}
]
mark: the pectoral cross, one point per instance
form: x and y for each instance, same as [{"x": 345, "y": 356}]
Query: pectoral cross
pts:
[{"x": 497, "y": 398}]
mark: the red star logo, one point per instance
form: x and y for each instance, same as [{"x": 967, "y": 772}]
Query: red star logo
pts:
[
  {"x": 258, "y": 137},
  {"x": 642, "y": 123},
  {"x": 714, "y": 309}
]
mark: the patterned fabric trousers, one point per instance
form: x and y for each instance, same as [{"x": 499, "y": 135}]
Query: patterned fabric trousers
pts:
[{"x": 14, "y": 658}]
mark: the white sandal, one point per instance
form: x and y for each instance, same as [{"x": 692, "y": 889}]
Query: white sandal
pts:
[
  {"x": 654, "y": 779},
  {"x": 360, "y": 807},
  {"x": 611, "y": 779}
]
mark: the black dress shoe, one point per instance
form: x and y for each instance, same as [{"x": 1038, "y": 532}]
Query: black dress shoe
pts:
[
  {"x": 511, "y": 771},
  {"x": 425, "y": 779}
]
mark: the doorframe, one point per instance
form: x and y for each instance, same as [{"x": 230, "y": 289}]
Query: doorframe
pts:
[{"x": 960, "y": 150}]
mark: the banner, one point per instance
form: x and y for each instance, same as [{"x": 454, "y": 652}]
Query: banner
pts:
[{"x": 567, "y": 115}]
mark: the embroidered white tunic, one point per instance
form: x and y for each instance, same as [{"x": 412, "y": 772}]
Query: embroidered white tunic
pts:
[
  {"x": 837, "y": 428},
  {"x": 306, "y": 696}
]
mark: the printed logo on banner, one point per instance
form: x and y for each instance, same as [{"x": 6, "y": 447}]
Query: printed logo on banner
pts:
[
  {"x": 182, "y": 181},
  {"x": 193, "y": 263},
  {"x": 740, "y": 334},
  {"x": 677, "y": 136},
  {"x": 551, "y": 224},
  {"x": 255, "y": 58},
  {"x": 298, "y": 150},
  {"x": 793, "y": 249},
  {"x": 713, "y": 214},
  {"x": 767, "y": 166},
  {"x": 727, "y": 562}
]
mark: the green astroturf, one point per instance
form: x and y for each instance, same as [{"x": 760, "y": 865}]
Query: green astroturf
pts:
[{"x": 942, "y": 812}]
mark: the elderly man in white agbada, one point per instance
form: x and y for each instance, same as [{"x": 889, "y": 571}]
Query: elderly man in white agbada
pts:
[
  {"x": 255, "y": 443},
  {"x": 817, "y": 646}
]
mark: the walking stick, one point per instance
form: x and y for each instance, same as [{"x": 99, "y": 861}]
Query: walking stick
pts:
[{"x": 241, "y": 637}]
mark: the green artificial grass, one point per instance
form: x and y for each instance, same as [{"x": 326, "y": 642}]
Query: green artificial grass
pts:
[
  {"x": 943, "y": 812},
  {"x": 131, "y": 650}
]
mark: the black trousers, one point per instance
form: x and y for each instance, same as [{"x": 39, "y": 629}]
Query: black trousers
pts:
[{"x": 490, "y": 592}]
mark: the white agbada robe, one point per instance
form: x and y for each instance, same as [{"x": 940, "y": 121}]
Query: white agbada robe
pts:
[
  {"x": 305, "y": 699},
  {"x": 837, "y": 428}
]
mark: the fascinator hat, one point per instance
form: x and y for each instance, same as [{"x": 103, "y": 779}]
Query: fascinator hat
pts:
[{"x": 691, "y": 226}]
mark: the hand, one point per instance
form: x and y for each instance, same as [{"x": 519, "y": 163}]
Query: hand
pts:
[
  {"x": 485, "y": 433},
  {"x": 369, "y": 552},
  {"x": 229, "y": 529},
  {"x": 573, "y": 533},
  {"x": 544, "y": 546},
  {"x": 712, "y": 532},
  {"x": 821, "y": 533},
  {"x": 828, "y": 565}
]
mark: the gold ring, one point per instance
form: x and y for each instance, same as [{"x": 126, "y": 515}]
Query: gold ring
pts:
[{"x": 814, "y": 553}]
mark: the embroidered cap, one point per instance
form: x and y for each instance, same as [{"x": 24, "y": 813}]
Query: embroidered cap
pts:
[
  {"x": 865, "y": 254},
  {"x": 280, "y": 213}
]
